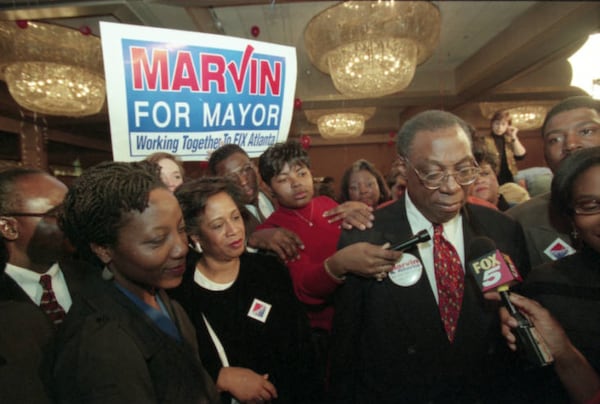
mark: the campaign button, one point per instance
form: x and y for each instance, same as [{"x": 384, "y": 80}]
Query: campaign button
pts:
[
  {"x": 558, "y": 249},
  {"x": 407, "y": 270},
  {"x": 259, "y": 310}
]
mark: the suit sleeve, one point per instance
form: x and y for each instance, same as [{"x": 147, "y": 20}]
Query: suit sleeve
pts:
[
  {"x": 101, "y": 364},
  {"x": 347, "y": 323},
  {"x": 516, "y": 248}
]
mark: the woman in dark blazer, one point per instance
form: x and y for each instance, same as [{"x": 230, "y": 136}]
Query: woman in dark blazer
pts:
[
  {"x": 124, "y": 340},
  {"x": 243, "y": 305}
]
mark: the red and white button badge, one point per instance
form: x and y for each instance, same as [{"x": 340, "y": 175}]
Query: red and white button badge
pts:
[
  {"x": 259, "y": 310},
  {"x": 558, "y": 249}
]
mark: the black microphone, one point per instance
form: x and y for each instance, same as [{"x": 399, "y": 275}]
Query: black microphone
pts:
[
  {"x": 494, "y": 270},
  {"x": 415, "y": 239}
]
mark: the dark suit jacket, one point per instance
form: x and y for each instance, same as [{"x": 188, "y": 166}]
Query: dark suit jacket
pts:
[
  {"x": 109, "y": 351},
  {"x": 26, "y": 337},
  {"x": 570, "y": 289},
  {"x": 389, "y": 344}
]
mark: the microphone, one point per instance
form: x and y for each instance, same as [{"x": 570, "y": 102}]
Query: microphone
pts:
[
  {"x": 415, "y": 239},
  {"x": 494, "y": 270}
]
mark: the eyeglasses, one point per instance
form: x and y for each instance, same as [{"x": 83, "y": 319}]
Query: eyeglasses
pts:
[
  {"x": 435, "y": 179},
  {"x": 52, "y": 213},
  {"x": 244, "y": 170},
  {"x": 485, "y": 173},
  {"x": 587, "y": 207}
]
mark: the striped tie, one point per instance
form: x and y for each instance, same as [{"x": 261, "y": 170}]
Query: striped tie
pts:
[
  {"x": 49, "y": 303},
  {"x": 449, "y": 277}
]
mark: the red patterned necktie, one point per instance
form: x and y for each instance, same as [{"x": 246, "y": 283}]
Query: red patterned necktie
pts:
[
  {"x": 449, "y": 277},
  {"x": 49, "y": 303}
]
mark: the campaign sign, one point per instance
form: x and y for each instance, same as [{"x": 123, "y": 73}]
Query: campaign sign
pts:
[{"x": 188, "y": 93}]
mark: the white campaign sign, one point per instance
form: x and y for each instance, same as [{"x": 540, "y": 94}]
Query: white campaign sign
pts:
[{"x": 188, "y": 93}]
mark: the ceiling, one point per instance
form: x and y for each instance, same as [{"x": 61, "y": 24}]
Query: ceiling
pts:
[{"x": 488, "y": 51}]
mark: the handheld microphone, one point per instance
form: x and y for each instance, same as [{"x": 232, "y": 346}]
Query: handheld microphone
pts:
[
  {"x": 494, "y": 270},
  {"x": 415, "y": 239}
]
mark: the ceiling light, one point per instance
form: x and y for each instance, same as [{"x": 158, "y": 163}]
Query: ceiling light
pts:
[
  {"x": 336, "y": 124},
  {"x": 523, "y": 116},
  {"x": 584, "y": 64},
  {"x": 52, "y": 70},
  {"x": 371, "y": 48}
]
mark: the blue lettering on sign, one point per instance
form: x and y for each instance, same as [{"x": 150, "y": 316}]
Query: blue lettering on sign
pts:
[{"x": 198, "y": 89}]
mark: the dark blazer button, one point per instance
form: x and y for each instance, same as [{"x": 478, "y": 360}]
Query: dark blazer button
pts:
[{"x": 411, "y": 350}]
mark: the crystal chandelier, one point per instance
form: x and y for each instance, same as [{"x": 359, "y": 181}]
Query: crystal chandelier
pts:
[
  {"x": 336, "y": 124},
  {"x": 371, "y": 48},
  {"x": 524, "y": 116},
  {"x": 51, "y": 69},
  {"x": 586, "y": 74}
]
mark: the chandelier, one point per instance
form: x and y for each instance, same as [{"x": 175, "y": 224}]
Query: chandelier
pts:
[
  {"x": 336, "y": 124},
  {"x": 372, "y": 48},
  {"x": 52, "y": 70},
  {"x": 586, "y": 74},
  {"x": 524, "y": 116}
]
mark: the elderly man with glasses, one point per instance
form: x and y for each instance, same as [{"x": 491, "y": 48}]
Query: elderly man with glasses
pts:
[{"x": 425, "y": 334}]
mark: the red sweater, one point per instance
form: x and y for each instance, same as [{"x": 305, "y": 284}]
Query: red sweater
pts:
[{"x": 313, "y": 286}]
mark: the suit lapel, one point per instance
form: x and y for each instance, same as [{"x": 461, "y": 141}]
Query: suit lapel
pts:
[
  {"x": 416, "y": 303},
  {"x": 10, "y": 290},
  {"x": 474, "y": 305}
]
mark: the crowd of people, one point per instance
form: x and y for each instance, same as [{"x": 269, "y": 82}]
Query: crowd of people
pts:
[{"x": 249, "y": 285}]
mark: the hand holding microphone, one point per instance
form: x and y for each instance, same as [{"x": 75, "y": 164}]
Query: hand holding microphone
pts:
[
  {"x": 494, "y": 270},
  {"x": 420, "y": 237},
  {"x": 415, "y": 239}
]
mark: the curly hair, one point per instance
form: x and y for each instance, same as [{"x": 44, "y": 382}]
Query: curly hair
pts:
[
  {"x": 193, "y": 197},
  {"x": 364, "y": 165},
  {"x": 483, "y": 156},
  {"x": 96, "y": 206},
  {"x": 430, "y": 120},
  {"x": 272, "y": 161}
]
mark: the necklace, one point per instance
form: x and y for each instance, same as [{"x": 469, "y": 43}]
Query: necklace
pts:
[{"x": 309, "y": 221}]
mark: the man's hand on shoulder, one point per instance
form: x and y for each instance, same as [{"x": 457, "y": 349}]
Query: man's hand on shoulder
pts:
[
  {"x": 353, "y": 214},
  {"x": 285, "y": 243}
]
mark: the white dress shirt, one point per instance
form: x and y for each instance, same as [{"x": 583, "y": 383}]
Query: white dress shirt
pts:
[
  {"x": 453, "y": 232},
  {"x": 265, "y": 206},
  {"x": 29, "y": 281}
]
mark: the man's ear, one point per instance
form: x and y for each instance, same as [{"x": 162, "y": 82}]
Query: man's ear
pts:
[
  {"x": 9, "y": 228},
  {"x": 402, "y": 166},
  {"x": 102, "y": 252}
]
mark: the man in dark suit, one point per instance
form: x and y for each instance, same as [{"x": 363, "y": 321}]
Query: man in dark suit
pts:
[
  {"x": 570, "y": 126},
  {"x": 32, "y": 245},
  {"x": 393, "y": 340}
]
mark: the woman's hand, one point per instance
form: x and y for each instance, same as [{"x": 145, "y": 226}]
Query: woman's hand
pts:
[
  {"x": 246, "y": 385},
  {"x": 512, "y": 131}
]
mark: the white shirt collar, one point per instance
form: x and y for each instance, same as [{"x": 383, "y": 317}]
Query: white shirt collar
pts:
[
  {"x": 29, "y": 281},
  {"x": 206, "y": 283},
  {"x": 453, "y": 232}
]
